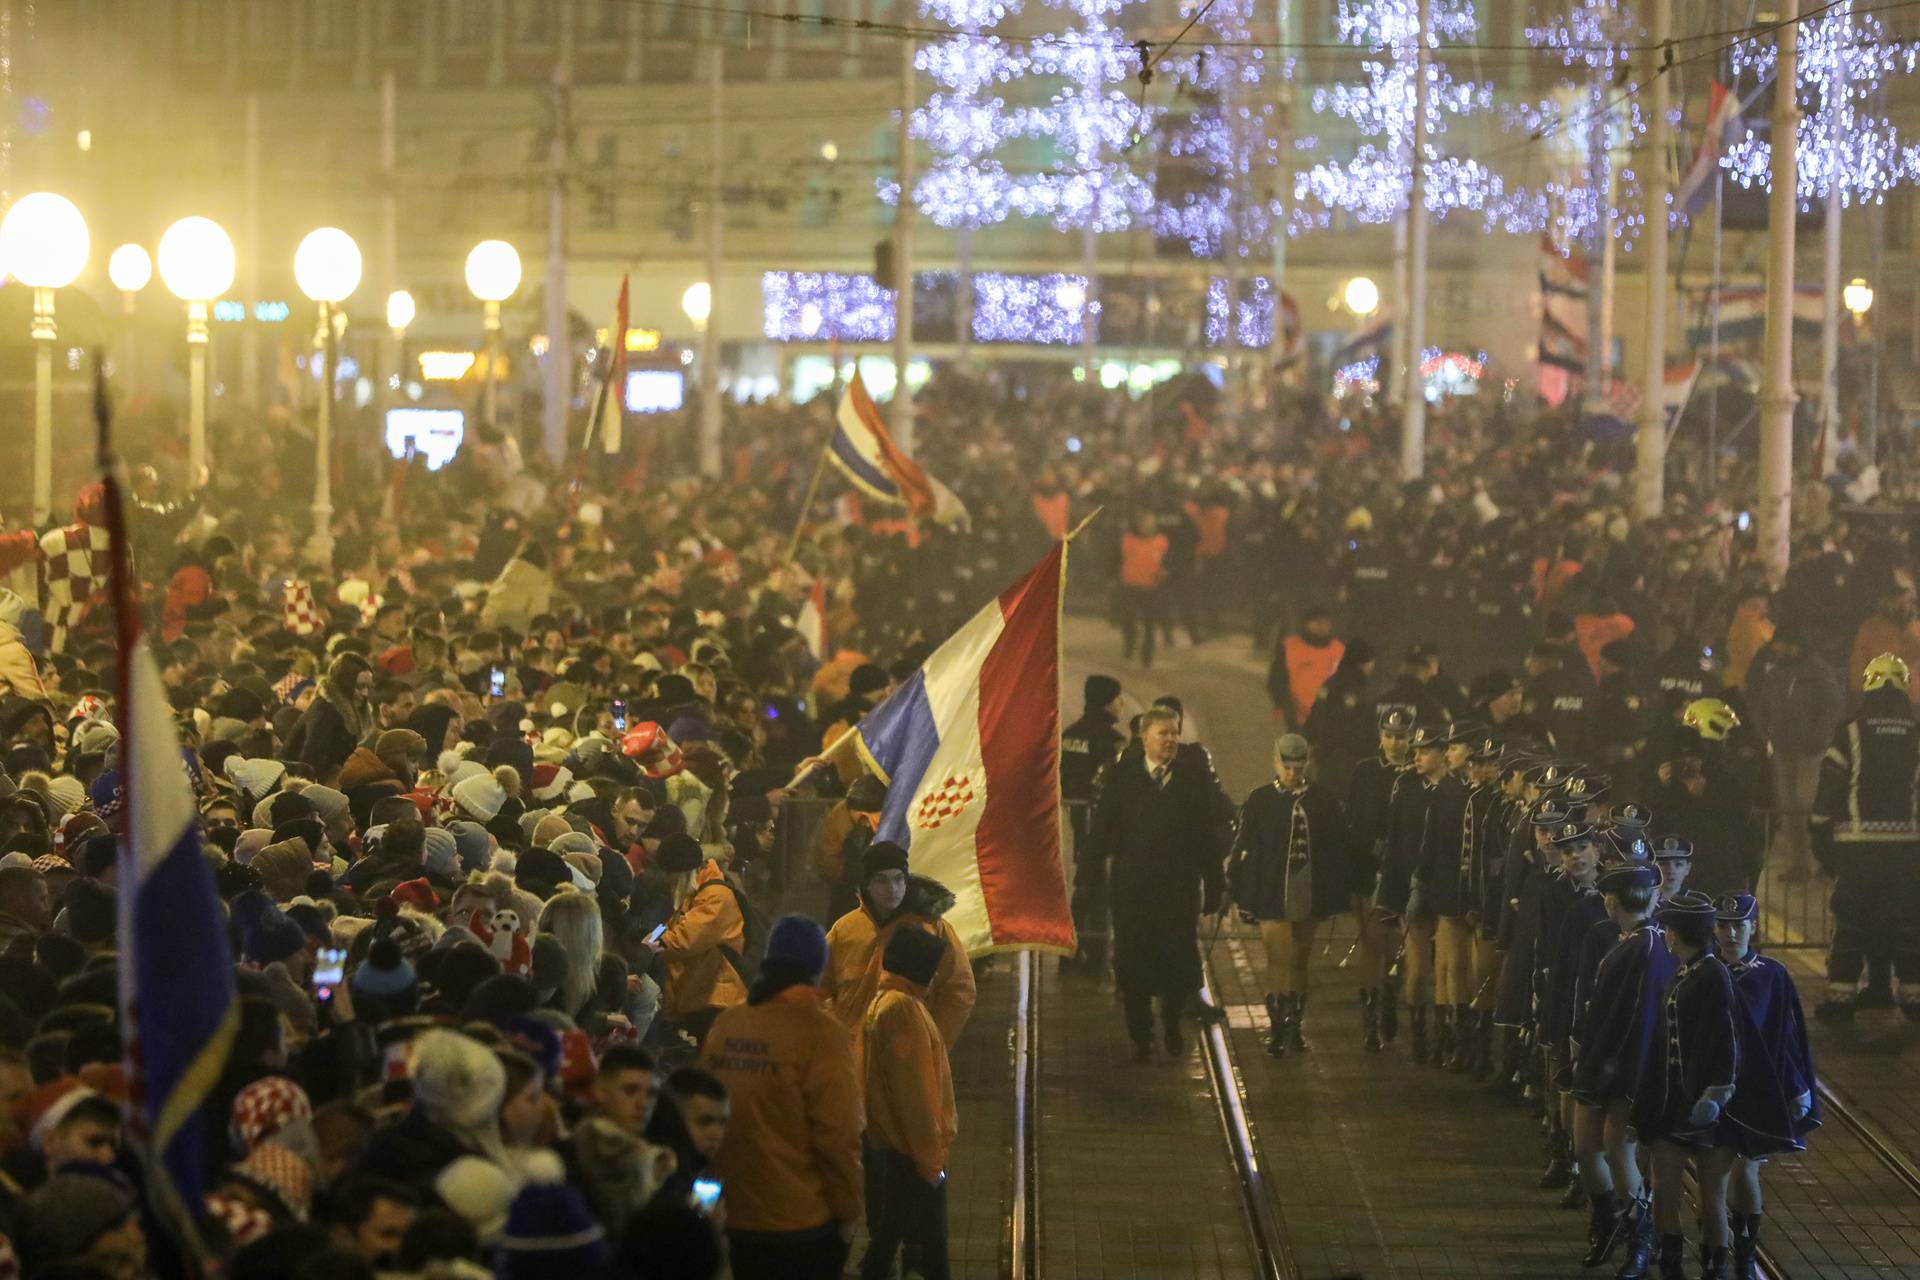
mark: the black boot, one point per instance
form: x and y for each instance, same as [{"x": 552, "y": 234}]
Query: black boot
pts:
[
  {"x": 1603, "y": 1230},
  {"x": 1746, "y": 1241},
  {"x": 1673, "y": 1258},
  {"x": 1559, "y": 1170},
  {"x": 1637, "y": 1230},
  {"x": 1713, "y": 1261},
  {"x": 1442, "y": 1036},
  {"x": 1466, "y": 1036},
  {"x": 1482, "y": 1046},
  {"x": 1575, "y": 1196},
  {"x": 1296, "y": 1040},
  {"x": 1417, "y": 1021},
  {"x": 1388, "y": 1006},
  {"x": 1276, "y": 1027},
  {"x": 1370, "y": 1017}
]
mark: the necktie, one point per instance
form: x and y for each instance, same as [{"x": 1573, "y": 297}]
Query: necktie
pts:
[{"x": 1159, "y": 775}]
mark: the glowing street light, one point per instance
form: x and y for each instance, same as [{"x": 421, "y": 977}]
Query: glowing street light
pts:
[
  {"x": 43, "y": 245},
  {"x": 493, "y": 273},
  {"x": 1857, "y": 298},
  {"x": 196, "y": 265},
  {"x": 400, "y": 312},
  {"x": 697, "y": 302},
  {"x": 327, "y": 268},
  {"x": 1361, "y": 296},
  {"x": 131, "y": 270}
]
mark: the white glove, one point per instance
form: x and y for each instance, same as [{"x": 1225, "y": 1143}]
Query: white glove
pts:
[
  {"x": 1704, "y": 1113},
  {"x": 1802, "y": 1105}
]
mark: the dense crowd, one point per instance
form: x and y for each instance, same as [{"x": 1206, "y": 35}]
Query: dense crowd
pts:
[{"x": 490, "y": 788}]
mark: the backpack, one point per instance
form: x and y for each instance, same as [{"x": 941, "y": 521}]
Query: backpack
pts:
[{"x": 746, "y": 961}]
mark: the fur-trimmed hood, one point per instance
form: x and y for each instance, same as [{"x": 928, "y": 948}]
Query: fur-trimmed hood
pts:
[{"x": 925, "y": 897}]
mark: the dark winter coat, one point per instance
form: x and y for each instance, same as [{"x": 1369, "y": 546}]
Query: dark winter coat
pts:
[
  {"x": 1423, "y": 835},
  {"x": 1696, "y": 1056},
  {"x": 1780, "y": 1050},
  {"x": 1622, "y": 1018},
  {"x": 1368, "y": 793},
  {"x": 321, "y": 739},
  {"x": 1162, "y": 847},
  {"x": 1257, "y": 869}
]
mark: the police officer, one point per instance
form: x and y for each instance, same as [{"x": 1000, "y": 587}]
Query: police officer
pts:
[
  {"x": 1343, "y": 721},
  {"x": 1700, "y": 796},
  {"x": 1286, "y": 874},
  {"x": 1087, "y": 746},
  {"x": 1369, "y": 790},
  {"x": 1559, "y": 697},
  {"x": 1865, "y": 830},
  {"x": 1411, "y": 688},
  {"x": 1423, "y": 832}
]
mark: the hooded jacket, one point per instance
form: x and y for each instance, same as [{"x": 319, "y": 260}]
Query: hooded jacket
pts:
[
  {"x": 859, "y": 938},
  {"x": 791, "y": 1157},
  {"x": 1869, "y": 789},
  {"x": 699, "y": 975},
  {"x": 909, "y": 1081}
]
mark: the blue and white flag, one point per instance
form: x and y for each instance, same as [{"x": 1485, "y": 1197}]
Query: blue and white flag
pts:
[{"x": 178, "y": 1007}]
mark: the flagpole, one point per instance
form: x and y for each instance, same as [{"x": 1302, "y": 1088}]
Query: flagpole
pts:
[{"x": 806, "y": 503}]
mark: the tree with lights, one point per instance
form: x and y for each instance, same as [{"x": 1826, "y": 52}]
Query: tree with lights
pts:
[
  {"x": 1846, "y": 152},
  {"x": 1096, "y": 127},
  {"x": 1400, "y": 172},
  {"x": 964, "y": 123}
]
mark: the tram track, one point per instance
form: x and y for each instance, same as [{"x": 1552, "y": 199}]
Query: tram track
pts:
[{"x": 1266, "y": 1230}]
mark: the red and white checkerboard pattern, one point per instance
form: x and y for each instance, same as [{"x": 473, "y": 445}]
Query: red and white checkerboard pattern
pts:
[
  {"x": 73, "y": 573},
  {"x": 954, "y": 793},
  {"x": 302, "y": 616}
]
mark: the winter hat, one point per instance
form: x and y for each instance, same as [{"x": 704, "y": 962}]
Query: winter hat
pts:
[
  {"x": 266, "y": 1107},
  {"x": 283, "y": 868},
  {"x": 96, "y": 853},
  {"x": 480, "y": 796},
  {"x": 62, "y": 1218},
  {"x": 417, "y": 894},
  {"x": 309, "y": 833},
  {"x": 385, "y": 972},
  {"x": 327, "y": 802},
  {"x": 461, "y": 968},
  {"x": 282, "y": 1175},
  {"x": 1100, "y": 690},
  {"x": 255, "y": 778},
  {"x": 46, "y": 1107},
  {"x": 399, "y": 744},
  {"x": 573, "y": 842},
  {"x": 67, "y": 794},
  {"x": 540, "y": 871},
  {"x": 549, "y": 829},
  {"x": 550, "y": 782},
  {"x": 91, "y": 911},
  {"x": 470, "y": 839},
  {"x": 800, "y": 943},
  {"x": 480, "y": 1192},
  {"x": 588, "y": 865},
  {"x": 550, "y": 1230},
  {"x": 283, "y": 807},
  {"x": 388, "y": 810},
  {"x": 97, "y": 738},
  {"x": 881, "y": 855},
  {"x": 679, "y": 853},
  {"x": 914, "y": 954},
  {"x": 441, "y": 853},
  {"x": 266, "y": 934},
  {"x": 456, "y": 1079}
]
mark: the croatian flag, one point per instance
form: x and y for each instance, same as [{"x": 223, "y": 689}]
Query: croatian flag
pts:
[
  {"x": 1722, "y": 125},
  {"x": 812, "y": 623},
  {"x": 969, "y": 748},
  {"x": 178, "y": 1009},
  {"x": 865, "y": 453}
]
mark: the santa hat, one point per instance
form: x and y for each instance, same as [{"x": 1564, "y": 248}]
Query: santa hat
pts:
[
  {"x": 551, "y": 781},
  {"x": 44, "y": 1109}
]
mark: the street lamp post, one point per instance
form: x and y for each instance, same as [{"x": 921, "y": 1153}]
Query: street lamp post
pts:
[
  {"x": 326, "y": 266},
  {"x": 400, "y": 313},
  {"x": 697, "y": 303},
  {"x": 130, "y": 270},
  {"x": 197, "y": 266},
  {"x": 1857, "y": 297},
  {"x": 43, "y": 245},
  {"x": 493, "y": 273}
]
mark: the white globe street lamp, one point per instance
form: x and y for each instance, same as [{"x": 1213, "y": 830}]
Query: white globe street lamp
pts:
[
  {"x": 326, "y": 266},
  {"x": 1361, "y": 296},
  {"x": 697, "y": 302},
  {"x": 43, "y": 245},
  {"x": 493, "y": 273},
  {"x": 400, "y": 312},
  {"x": 1858, "y": 298},
  {"x": 196, "y": 265}
]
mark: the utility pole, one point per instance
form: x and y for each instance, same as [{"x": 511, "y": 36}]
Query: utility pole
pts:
[
  {"x": 710, "y": 428},
  {"x": 902, "y": 408},
  {"x": 250, "y": 255},
  {"x": 1599, "y": 250},
  {"x": 1835, "y": 92},
  {"x": 1776, "y": 379},
  {"x": 1650, "y": 455},
  {"x": 1283, "y": 128},
  {"x": 557, "y": 367},
  {"x": 1392, "y": 384},
  {"x": 389, "y": 262},
  {"x": 1413, "y": 433}
]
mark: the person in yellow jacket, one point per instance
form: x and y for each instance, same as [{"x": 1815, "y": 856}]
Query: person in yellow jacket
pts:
[
  {"x": 892, "y": 899},
  {"x": 911, "y": 1122},
  {"x": 789, "y": 1166},
  {"x": 703, "y": 939}
]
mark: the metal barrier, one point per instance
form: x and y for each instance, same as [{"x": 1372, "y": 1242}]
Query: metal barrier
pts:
[{"x": 1793, "y": 895}]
